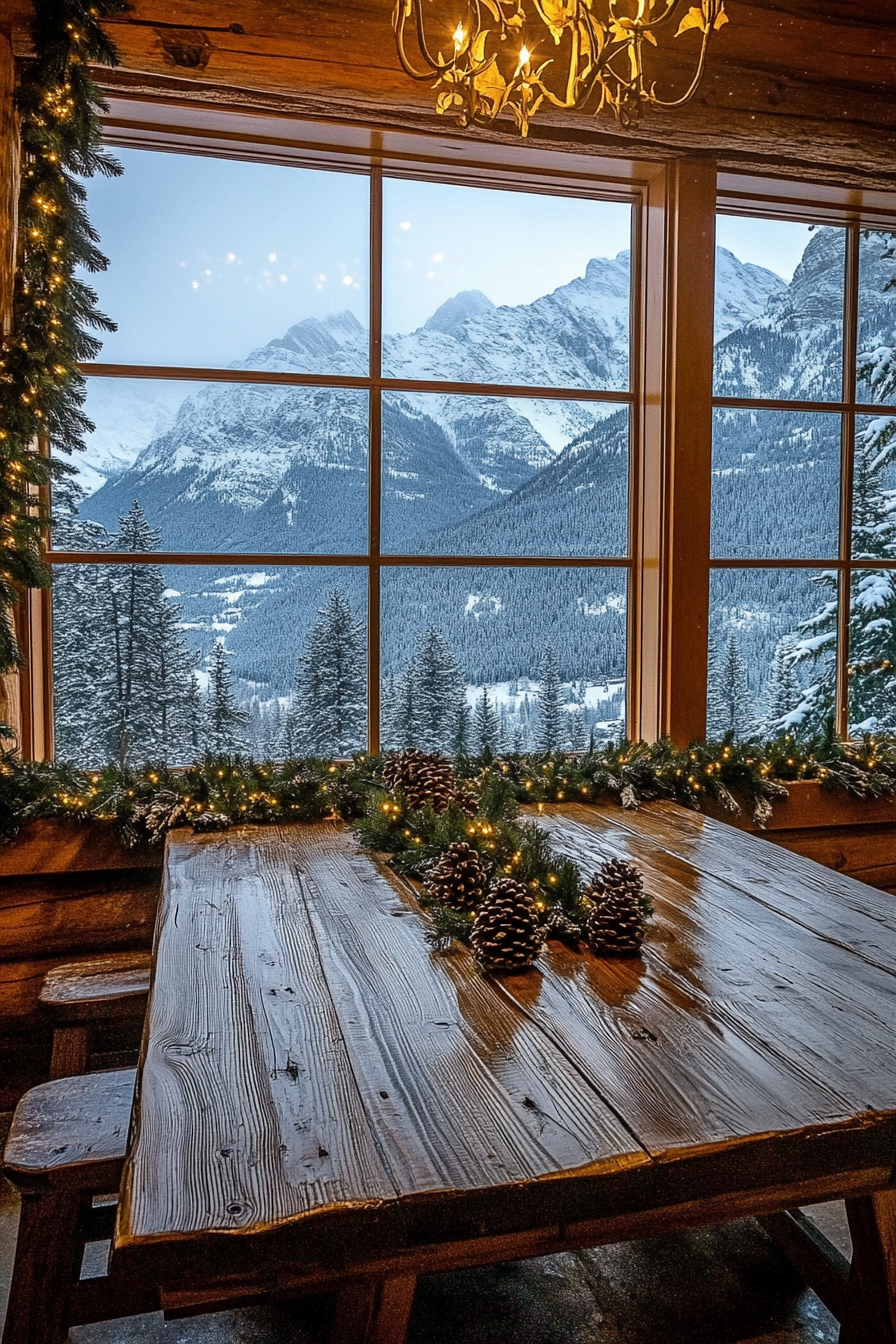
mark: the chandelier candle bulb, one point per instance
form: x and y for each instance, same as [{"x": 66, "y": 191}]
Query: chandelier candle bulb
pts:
[{"x": 603, "y": 66}]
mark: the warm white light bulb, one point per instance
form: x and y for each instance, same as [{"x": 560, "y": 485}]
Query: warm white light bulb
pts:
[
  {"x": 525, "y": 55},
  {"x": 458, "y": 37}
]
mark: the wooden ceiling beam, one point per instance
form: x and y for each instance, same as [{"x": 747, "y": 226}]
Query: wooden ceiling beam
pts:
[{"x": 789, "y": 87}]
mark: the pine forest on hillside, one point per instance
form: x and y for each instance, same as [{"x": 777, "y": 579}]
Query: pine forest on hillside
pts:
[{"x": 154, "y": 660}]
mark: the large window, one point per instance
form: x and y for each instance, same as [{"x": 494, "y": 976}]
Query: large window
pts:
[
  {"x": 803, "y": 537},
  {"x": 360, "y": 473}
]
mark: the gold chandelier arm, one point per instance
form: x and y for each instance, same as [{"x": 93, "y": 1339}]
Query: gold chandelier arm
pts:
[
  {"x": 668, "y": 14},
  {"x": 695, "y": 82},
  {"x": 399, "y": 21}
]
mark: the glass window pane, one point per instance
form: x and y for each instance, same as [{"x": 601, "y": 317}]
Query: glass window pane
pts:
[
  {"x": 488, "y": 476},
  {"x": 775, "y": 484},
  {"x": 515, "y": 659},
  {"x": 872, "y": 652},
  {"x": 876, "y": 381},
  {"x": 167, "y": 662},
  {"x": 874, "y": 488},
  {"x": 772, "y": 643},
  {"x": 216, "y": 263},
  {"x": 779, "y": 310},
  {"x": 505, "y": 287},
  {"x": 221, "y": 467}
]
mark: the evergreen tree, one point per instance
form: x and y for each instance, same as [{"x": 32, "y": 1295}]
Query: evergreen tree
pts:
[
  {"x": 872, "y": 615},
  {"x": 124, "y": 678},
  {"x": 406, "y": 713},
  {"x": 578, "y": 735},
  {"x": 438, "y": 691},
  {"x": 390, "y": 701},
  {"x": 729, "y": 703},
  {"x": 486, "y": 728},
  {"x": 329, "y": 701},
  {"x": 225, "y": 722},
  {"x": 549, "y": 729},
  {"x": 462, "y": 735},
  {"x": 783, "y": 692}
]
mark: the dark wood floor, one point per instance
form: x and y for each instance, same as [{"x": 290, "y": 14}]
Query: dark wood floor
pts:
[{"x": 725, "y": 1285}]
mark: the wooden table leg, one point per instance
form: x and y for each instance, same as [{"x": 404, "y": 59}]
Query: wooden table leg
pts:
[
  {"x": 46, "y": 1267},
  {"x": 870, "y": 1315},
  {"x": 374, "y": 1311}
]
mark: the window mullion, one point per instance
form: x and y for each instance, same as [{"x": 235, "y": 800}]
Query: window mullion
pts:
[
  {"x": 375, "y": 459},
  {"x": 847, "y": 458}
]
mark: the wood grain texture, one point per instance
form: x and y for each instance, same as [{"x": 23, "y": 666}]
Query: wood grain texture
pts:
[
  {"x": 749, "y": 1018},
  {"x": 789, "y": 86},
  {"x": 248, "y": 1113},
  {"x": 870, "y": 1312},
  {"x": 65, "y": 846},
  {"x": 296, "y": 998},
  {"x": 71, "y": 1122},
  {"x": 97, "y": 987},
  {"x": 77, "y": 912},
  {"x": 323, "y": 1100},
  {"x": 835, "y": 907}
]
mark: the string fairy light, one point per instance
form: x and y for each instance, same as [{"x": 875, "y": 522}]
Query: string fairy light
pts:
[{"x": 58, "y": 105}]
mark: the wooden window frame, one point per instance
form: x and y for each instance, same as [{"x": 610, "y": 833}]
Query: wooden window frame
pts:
[
  {"x": 852, "y": 211},
  {"x": 671, "y": 390}
]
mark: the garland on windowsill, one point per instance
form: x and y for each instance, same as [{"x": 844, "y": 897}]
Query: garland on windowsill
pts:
[
  {"x": 43, "y": 391},
  {"x": 145, "y": 803}
]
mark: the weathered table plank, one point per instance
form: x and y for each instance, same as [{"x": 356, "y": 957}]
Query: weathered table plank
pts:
[
  {"x": 738, "y": 1020},
  {"x": 322, "y": 1098},
  {"x": 831, "y": 904},
  {"x": 463, "y": 1090},
  {"x": 306, "y": 1051},
  {"x": 248, "y": 1112}
]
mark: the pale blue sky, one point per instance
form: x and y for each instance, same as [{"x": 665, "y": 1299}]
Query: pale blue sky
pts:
[{"x": 211, "y": 258}]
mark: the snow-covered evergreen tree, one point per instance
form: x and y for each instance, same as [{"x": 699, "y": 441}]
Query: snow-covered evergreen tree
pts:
[
  {"x": 225, "y": 722},
  {"x": 124, "y": 678},
  {"x": 783, "y": 691},
  {"x": 329, "y": 701},
  {"x": 550, "y": 728},
  {"x": 872, "y": 615},
  {"x": 486, "y": 725},
  {"x": 578, "y": 736},
  {"x": 729, "y": 702},
  {"x": 438, "y": 690},
  {"x": 462, "y": 733}
]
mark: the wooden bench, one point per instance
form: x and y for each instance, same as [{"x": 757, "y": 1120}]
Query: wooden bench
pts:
[
  {"x": 65, "y": 1151},
  {"x": 82, "y": 994}
]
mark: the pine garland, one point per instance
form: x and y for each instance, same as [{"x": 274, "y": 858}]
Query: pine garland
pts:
[
  {"x": 734, "y": 775},
  {"x": 59, "y": 105}
]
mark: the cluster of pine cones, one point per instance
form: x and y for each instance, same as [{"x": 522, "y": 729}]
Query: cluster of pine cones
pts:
[
  {"x": 507, "y": 931},
  {"x": 425, "y": 777}
]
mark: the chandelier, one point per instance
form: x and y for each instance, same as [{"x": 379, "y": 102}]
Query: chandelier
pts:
[{"x": 515, "y": 55}]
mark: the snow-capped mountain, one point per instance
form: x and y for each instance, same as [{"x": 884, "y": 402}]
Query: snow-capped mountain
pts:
[
  {"x": 259, "y": 467},
  {"x": 244, "y": 467}
]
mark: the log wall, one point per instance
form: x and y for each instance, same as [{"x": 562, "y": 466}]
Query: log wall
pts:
[{"x": 65, "y": 890}]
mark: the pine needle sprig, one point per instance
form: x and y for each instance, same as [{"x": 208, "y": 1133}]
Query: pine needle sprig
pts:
[
  {"x": 59, "y": 106},
  {"x": 448, "y": 925}
]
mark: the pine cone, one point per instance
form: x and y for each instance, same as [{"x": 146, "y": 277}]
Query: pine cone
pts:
[
  {"x": 506, "y": 933},
  {"x": 458, "y": 878},
  {"x": 615, "y": 925},
  {"x": 205, "y": 822},
  {"x": 558, "y": 926},
  {"x": 422, "y": 777}
]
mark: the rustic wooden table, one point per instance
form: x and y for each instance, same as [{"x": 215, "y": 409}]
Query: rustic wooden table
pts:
[{"x": 323, "y": 1103}]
